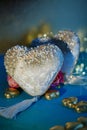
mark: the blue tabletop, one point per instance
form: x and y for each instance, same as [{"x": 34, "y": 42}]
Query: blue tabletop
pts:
[{"x": 43, "y": 114}]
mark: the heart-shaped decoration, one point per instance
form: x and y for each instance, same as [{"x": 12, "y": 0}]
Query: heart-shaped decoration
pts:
[
  {"x": 69, "y": 44},
  {"x": 34, "y": 69},
  {"x": 70, "y": 47}
]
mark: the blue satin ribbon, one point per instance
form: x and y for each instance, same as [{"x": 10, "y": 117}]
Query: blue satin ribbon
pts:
[{"x": 14, "y": 110}]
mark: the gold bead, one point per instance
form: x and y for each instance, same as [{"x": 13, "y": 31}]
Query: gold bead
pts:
[
  {"x": 7, "y": 95},
  {"x": 73, "y": 105},
  {"x": 50, "y": 94},
  {"x": 81, "y": 107},
  {"x": 11, "y": 93},
  {"x": 65, "y": 101},
  {"x": 47, "y": 96},
  {"x": 70, "y": 102}
]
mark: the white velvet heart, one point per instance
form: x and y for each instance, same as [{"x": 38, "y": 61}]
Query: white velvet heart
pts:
[{"x": 34, "y": 69}]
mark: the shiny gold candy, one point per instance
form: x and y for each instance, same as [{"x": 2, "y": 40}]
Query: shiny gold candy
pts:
[
  {"x": 82, "y": 120},
  {"x": 11, "y": 93},
  {"x": 57, "y": 128},
  {"x": 50, "y": 94},
  {"x": 70, "y": 102},
  {"x": 73, "y": 125},
  {"x": 81, "y": 107}
]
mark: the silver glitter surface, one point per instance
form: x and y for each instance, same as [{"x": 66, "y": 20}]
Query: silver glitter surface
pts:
[
  {"x": 70, "y": 50},
  {"x": 34, "y": 69}
]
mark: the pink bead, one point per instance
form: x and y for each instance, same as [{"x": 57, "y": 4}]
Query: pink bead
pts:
[
  {"x": 11, "y": 82},
  {"x": 59, "y": 79}
]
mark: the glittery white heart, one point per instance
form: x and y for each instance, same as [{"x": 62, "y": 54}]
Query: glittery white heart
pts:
[
  {"x": 34, "y": 69},
  {"x": 70, "y": 47}
]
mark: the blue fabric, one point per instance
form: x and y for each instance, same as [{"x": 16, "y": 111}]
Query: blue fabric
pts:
[{"x": 43, "y": 114}]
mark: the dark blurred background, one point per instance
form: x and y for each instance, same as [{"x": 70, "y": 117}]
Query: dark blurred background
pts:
[{"x": 23, "y": 20}]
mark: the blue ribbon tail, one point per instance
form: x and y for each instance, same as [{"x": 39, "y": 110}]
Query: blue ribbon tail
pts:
[{"x": 12, "y": 111}]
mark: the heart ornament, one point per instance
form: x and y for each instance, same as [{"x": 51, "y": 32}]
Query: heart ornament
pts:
[
  {"x": 34, "y": 69},
  {"x": 69, "y": 43}
]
